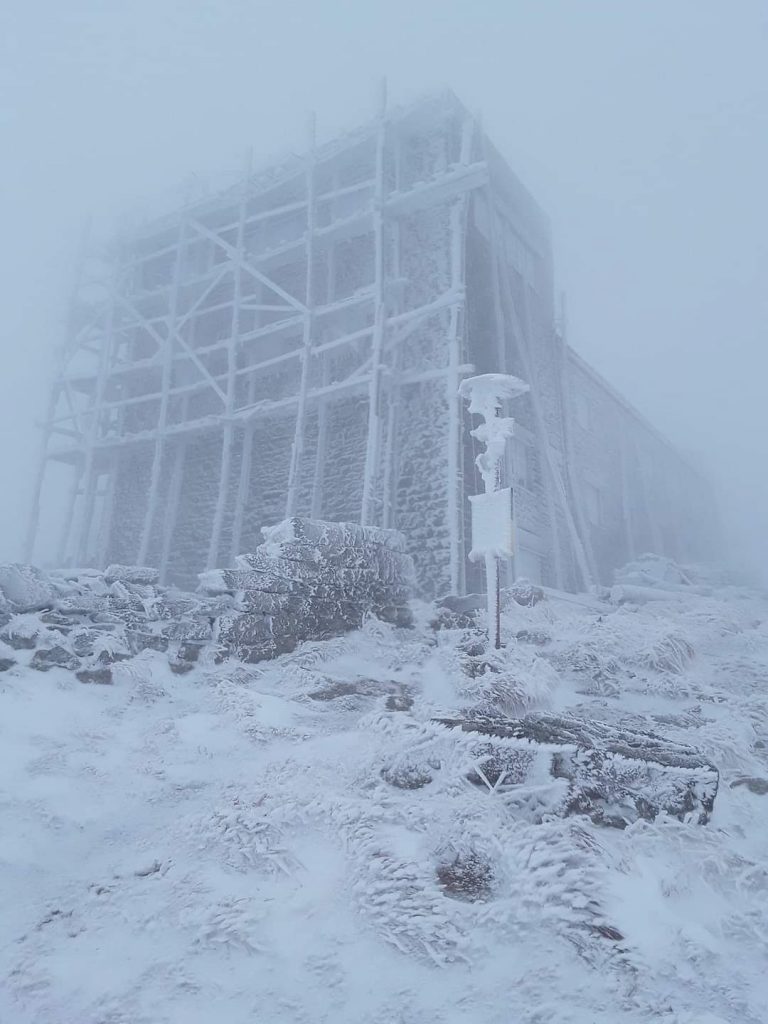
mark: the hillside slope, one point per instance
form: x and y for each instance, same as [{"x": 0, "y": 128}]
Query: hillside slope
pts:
[{"x": 300, "y": 841}]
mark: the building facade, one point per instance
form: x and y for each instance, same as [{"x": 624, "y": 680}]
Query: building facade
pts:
[{"x": 295, "y": 344}]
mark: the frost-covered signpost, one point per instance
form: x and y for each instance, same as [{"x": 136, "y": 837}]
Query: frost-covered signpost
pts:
[{"x": 492, "y": 526}]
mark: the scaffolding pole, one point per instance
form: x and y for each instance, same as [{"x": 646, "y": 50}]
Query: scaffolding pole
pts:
[
  {"x": 374, "y": 390},
  {"x": 232, "y": 349},
  {"x": 167, "y": 347},
  {"x": 244, "y": 483},
  {"x": 37, "y": 490},
  {"x": 174, "y": 496},
  {"x": 456, "y": 556},
  {"x": 88, "y": 488},
  {"x": 297, "y": 447},
  {"x": 69, "y": 515},
  {"x": 316, "y": 501},
  {"x": 50, "y": 420}
]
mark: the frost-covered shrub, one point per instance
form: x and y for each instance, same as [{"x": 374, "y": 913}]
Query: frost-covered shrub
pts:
[
  {"x": 671, "y": 653},
  {"x": 243, "y": 838}
]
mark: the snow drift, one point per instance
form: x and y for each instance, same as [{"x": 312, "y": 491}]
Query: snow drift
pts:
[{"x": 305, "y": 839}]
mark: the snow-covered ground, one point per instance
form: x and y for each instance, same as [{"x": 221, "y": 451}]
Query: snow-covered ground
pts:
[{"x": 228, "y": 846}]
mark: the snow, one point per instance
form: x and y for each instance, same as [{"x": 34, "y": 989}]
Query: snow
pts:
[
  {"x": 485, "y": 394},
  {"x": 223, "y": 845}
]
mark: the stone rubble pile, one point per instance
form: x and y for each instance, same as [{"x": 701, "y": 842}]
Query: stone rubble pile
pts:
[
  {"x": 85, "y": 621},
  {"x": 309, "y": 580}
]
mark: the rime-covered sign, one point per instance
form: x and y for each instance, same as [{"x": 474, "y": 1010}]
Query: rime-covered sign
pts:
[{"x": 493, "y": 530}]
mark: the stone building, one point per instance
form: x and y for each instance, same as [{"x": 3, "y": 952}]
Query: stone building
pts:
[{"x": 295, "y": 344}]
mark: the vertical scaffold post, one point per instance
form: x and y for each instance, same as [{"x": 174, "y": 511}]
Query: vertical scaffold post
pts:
[
  {"x": 454, "y": 402},
  {"x": 317, "y": 499},
  {"x": 232, "y": 348},
  {"x": 389, "y": 474},
  {"x": 34, "y": 518},
  {"x": 297, "y": 447},
  {"x": 165, "y": 394},
  {"x": 244, "y": 482},
  {"x": 458, "y": 221},
  {"x": 374, "y": 389},
  {"x": 88, "y": 489}
]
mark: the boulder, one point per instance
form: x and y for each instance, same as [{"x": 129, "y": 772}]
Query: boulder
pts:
[
  {"x": 310, "y": 580},
  {"x": 21, "y": 633},
  {"x": 97, "y": 676},
  {"x": 136, "y": 575},
  {"x": 25, "y": 588},
  {"x": 400, "y": 615},
  {"x": 57, "y": 656},
  {"x": 525, "y": 593},
  {"x": 404, "y": 775},
  {"x": 755, "y": 785},
  {"x": 467, "y": 876}
]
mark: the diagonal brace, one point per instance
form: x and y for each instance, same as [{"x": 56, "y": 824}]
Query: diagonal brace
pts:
[{"x": 236, "y": 257}]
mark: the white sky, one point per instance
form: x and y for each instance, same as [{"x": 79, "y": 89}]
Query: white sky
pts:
[{"x": 641, "y": 128}]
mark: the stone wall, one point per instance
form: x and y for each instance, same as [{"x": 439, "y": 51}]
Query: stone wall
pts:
[{"x": 309, "y": 580}]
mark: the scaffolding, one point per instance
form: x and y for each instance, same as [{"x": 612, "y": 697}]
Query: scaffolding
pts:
[
  {"x": 147, "y": 363},
  {"x": 295, "y": 345}
]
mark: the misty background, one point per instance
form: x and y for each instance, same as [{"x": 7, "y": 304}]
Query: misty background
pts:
[{"x": 642, "y": 129}]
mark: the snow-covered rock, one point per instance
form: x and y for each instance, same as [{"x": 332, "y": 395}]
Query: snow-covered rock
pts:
[
  {"x": 25, "y": 588},
  {"x": 311, "y": 580},
  {"x": 615, "y": 776},
  {"x": 141, "y": 575}
]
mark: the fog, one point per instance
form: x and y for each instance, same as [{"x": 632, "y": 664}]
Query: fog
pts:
[{"x": 641, "y": 129}]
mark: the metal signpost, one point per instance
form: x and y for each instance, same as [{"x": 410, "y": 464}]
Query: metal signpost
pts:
[{"x": 492, "y": 513}]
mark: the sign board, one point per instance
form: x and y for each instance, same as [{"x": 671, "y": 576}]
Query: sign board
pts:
[{"x": 493, "y": 531}]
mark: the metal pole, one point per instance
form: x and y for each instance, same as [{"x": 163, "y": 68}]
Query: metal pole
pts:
[{"x": 485, "y": 394}]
